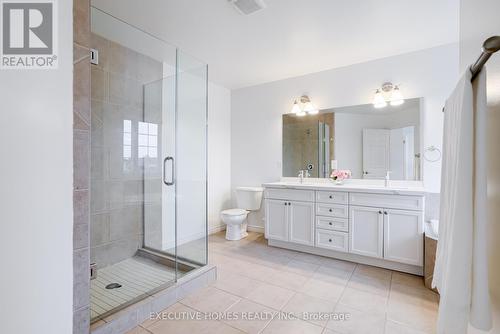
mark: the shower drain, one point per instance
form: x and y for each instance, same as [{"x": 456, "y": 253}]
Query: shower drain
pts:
[{"x": 113, "y": 286}]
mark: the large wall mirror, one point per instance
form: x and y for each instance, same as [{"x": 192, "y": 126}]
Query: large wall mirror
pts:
[{"x": 368, "y": 141}]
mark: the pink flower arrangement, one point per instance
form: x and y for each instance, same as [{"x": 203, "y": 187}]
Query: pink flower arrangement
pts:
[{"x": 340, "y": 174}]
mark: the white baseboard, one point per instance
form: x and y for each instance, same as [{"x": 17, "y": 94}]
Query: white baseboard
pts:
[
  {"x": 258, "y": 229},
  {"x": 407, "y": 268},
  {"x": 216, "y": 229}
]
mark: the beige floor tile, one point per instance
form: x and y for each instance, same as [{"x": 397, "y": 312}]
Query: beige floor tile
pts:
[
  {"x": 309, "y": 308},
  {"x": 291, "y": 326},
  {"x": 301, "y": 268},
  {"x": 364, "y": 301},
  {"x": 339, "y": 264},
  {"x": 286, "y": 280},
  {"x": 413, "y": 316},
  {"x": 332, "y": 275},
  {"x": 138, "y": 330},
  {"x": 407, "y": 279},
  {"x": 250, "y": 317},
  {"x": 395, "y": 328},
  {"x": 311, "y": 258},
  {"x": 324, "y": 290},
  {"x": 184, "y": 324},
  {"x": 357, "y": 322},
  {"x": 329, "y": 331},
  {"x": 235, "y": 284},
  {"x": 370, "y": 271},
  {"x": 255, "y": 271},
  {"x": 210, "y": 299},
  {"x": 271, "y": 276},
  {"x": 370, "y": 284},
  {"x": 271, "y": 295},
  {"x": 419, "y": 296},
  {"x": 272, "y": 261}
]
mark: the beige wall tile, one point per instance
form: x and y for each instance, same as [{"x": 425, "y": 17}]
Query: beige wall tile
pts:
[{"x": 81, "y": 22}]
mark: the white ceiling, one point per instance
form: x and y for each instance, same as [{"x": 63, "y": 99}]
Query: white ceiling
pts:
[{"x": 291, "y": 37}]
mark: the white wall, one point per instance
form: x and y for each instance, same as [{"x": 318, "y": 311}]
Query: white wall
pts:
[
  {"x": 349, "y": 134},
  {"x": 36, "y": 178},
  {"x": 478, "y": 21},
  {"x": 256, "y": 111},
  {"x": 219, "y": 154}
]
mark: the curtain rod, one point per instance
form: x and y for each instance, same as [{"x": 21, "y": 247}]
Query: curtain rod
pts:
[{"x": 490, "y": 46}]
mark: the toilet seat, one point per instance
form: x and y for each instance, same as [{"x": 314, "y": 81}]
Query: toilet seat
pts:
[{"x": 234, "y": 212}]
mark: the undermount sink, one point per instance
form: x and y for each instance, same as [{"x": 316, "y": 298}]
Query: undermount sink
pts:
[{"x": 298, "y": 183}]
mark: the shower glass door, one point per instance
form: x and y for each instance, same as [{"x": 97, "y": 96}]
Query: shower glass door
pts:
[
  {"x": 148, "y": 223},
  {"x": 176, "y": 224}
]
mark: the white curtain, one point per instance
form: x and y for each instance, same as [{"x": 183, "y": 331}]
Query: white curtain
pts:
[{"x": 461, "y": 271}]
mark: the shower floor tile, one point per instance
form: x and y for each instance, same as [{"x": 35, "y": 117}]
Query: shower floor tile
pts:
[{"x": 137, "y": 277}]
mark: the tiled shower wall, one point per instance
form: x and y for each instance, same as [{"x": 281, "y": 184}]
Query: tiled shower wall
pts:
[
  {"x": 81, "y": 167},
  {"x": 117, "y": 167}
]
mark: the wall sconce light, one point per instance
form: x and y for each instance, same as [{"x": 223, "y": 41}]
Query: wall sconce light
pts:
[
  {"x": 304, "y": 106},
  {"x": 388, "y": 93}
]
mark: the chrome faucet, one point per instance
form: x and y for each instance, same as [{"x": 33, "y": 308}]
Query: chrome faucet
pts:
[
  {"x": 303, "y": 173},
  {"x": 387, "y": 178}
]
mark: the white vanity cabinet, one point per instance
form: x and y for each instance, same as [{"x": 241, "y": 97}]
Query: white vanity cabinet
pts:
[
  {"x": 301, "y": 222},
  {"x": 277, "y": 213},
  {"x": 403, "y": 236},
  {"x": 381, "y": 228},
  {"x": 367, "y": 231},
  {"x": 291, "y": 213}
]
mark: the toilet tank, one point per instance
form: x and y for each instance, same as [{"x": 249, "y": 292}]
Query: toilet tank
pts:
[{"x": 249, "y": 198}]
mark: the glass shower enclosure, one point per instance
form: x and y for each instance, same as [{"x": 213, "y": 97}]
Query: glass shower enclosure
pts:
[{"x": 148, "y": 164}]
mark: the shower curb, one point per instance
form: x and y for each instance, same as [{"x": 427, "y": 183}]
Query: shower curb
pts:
[{"x": 136, "y": 314}]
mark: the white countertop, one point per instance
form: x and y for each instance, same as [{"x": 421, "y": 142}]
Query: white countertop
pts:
[{"x": 396, "y": 187}]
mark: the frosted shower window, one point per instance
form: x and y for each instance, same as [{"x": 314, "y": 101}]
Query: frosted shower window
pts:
[
  {"x": 127, "y": 139},
  {"x": 148, "y": 140}
]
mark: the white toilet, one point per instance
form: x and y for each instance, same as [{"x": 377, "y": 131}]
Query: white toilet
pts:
[{"x": 248, "y": 199}]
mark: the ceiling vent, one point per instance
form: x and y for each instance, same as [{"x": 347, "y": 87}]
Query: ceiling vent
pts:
[{"x": 247, "y": 7}]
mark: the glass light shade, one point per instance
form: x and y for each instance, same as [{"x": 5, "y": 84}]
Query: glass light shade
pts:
[
  {"x": 296, "y": 109},
  {"x": 310, "y": 108},
  {"x": 379, "y": 100},
  {"x": 396, "y": 97}
]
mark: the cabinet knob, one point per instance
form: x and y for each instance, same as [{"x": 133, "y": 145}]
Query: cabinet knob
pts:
[
  {"x": 330, "y": 223},
  {"x": 385, "y": 212},
  {"x": 286, "y": 203},
  {"x": 380, "y": 212},
  {"x": 330, "y": 196},
  {"x": 330, "y": 210},
  {"x": 329, "y": 240}
]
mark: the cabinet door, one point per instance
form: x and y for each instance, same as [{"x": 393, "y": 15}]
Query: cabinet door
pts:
[
  {"x": 403, "y": 236},
  {"x": 301, "y": 218},
  {"x": 366, "y": 231},
  {"x": 277, "y": 219}
]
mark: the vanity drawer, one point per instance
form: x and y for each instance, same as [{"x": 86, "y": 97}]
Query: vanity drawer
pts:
[
  {"x": 332, "y": 210},
  {"x": 335, "y": 224},
  {"x": 387, "y": 201},
  {"x": 336, "y": 197},
  {"x": 290, "y": 194},
  {"x": 333, "y": 240}
]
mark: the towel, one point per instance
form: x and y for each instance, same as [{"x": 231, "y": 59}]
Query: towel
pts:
[{"x": 461, "y": 272}]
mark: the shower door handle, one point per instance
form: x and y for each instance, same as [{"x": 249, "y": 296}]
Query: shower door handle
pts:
[{"x": 171, "y": 183}]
